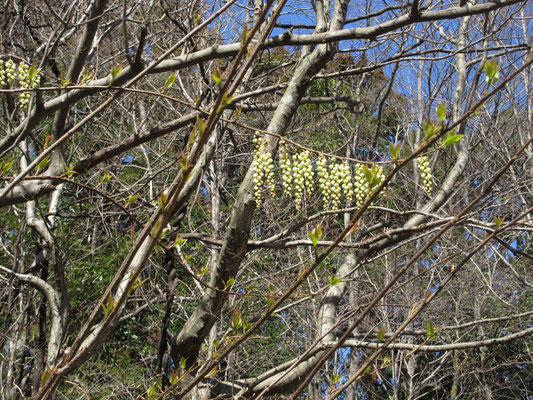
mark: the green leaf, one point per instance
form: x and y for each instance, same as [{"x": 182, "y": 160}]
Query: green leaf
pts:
[
  {"x": 200, "y": 125},
  {"x": 237, "y": 320},
  {"x": 381, "y": 333},
  {"x": 138, "y": 284},
  {"x": 170, "y": 81},
  {"x": 386, "y": 359},
  {"x": 183, "y": 363},
  {"x": 245, "y": 33},
  {"x": 430, "y": 331},
  {"x": 33, "y": 72},
  {"x": 334, "y": 281},
  {"x": 163, "y": 199},
  {"x": 109, "y": 305},
  {"x": 224, "y": 102},
  {"x": 45, "y": 376},
  {"x": 217, "y": 77},
  {"x": 491, "y": 70},
  {"x": 132, "y": 198},
  {"x": 450, "y": 139},
  {"x": 107, "y": 176},
  {"x": 429, "y": 130},
  {"x": 394, "y": 150},
  {"x": 44, "y": 162},
  {"x": 335, "y": 379},
  {"x": 203, "y": 270},
  {"x": 367, "y": 370},
  {"x": 6, "y": 166},
  {"x": 70, "y": 171},
  {"x": 179, "y": 241},
  {"x": 65, "y": 82},
  {"x": 87, "y": 76},
  {"x": 152, "y": 392},
  {"x": 230, "y": 282},
  {"x": 369, "y": 174},
  {"x": 270, "y": 296},
  {"x": 115, "y": 70},
  {"x": 498, "y": 221},
  {"x": 157, "y": 226},
  {"x": 441, "y": 111},
  {"x": 316, "y": 234}
]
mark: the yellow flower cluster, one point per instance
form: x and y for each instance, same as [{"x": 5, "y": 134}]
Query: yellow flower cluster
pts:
[
  {"x": 10, "y": 71},
  {"x": 324, "y": 180},
  {"x": 286, "y": 170},
  {"x": 302, "y": 174},
  {"x": 361, "y": 185},
  {"x": 2, "y": 74},
  {"x": 263, "y": 169},
  {"x": 335, "y": 181},
  {"x": 28, "y": 78},
  {"x": 425, "y": 173},
  {"x": 24, "y": 81}
]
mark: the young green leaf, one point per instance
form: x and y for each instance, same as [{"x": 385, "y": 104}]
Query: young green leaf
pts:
[
  {"x": 334, "y": 281},
  {"x": 369, "y": 174},
  {"x": 65, "y": 82},
  {"x": 179, "y": 241},
  {"x": 429, "y": 130},
  {"x": 441, "y": 111},
  {"x": 203, "y": 270},
  {"x": 45, "y": 376},
  {"x": 200, "y": 125},
  {"x": 230, "y": 282},
  {"x": 491, "y": 70},
  {"x": 451, "y": 138},
  {"x": 270, "y": 296},
  {"x": 381, "y": 333},
  {"x": 87, "y": 76},
  {"x": 44, "y": 162},
  {"x": 499, "y": 221},
  {"x": 132, "y": 198},
  {"x": 115, "y": 70},
  {"x": 33, "y": 72},
  {"x": 170, "y": 81},
  {"x": 152, "y": 392},
  {"x": 109, "y": 305},
  {"x": 163, "y": 199},
  {"x": 394, "y": 150},
  {"x": 138, "y": 284},
  {"x": 70, "y": 172},
  {"x": 430, "y": 331},
  {"x": 237, "y": 320},
  {"x": 316, "y": 234},
  {"x": 245, "y": 33},
  {"x": 6, "y": 166},
  {"x": 217, "y": 77},
  {"x": 335, "y": 379},
  {"x": 224, "y": 103},
  {"x": 107, "y": 176},
  {"x": 387, "y": 359}
]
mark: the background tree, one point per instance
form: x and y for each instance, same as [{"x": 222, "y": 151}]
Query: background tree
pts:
[{"x": 259, "y": 199}]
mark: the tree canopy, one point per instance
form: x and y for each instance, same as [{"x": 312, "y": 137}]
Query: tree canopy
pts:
[{"x": 266, "y": 199}]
